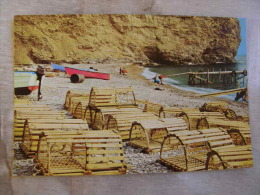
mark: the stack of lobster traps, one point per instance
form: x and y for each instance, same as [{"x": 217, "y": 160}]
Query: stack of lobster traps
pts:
[
  {"x": 31, "y": 111},
  {"x": 117, "y": 109},
  {"x": 62, "y": 146},
  {"x": 114, "y": 109},
  {"x": 208, "y": 150},
  {"x": 188, "y": 139},
  {"x": 217, "y": 139}
]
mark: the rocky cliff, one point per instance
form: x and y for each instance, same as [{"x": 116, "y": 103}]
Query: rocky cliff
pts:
[{"x": 125, "y": 38}]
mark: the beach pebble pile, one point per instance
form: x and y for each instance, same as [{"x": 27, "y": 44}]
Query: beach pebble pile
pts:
[{"x": 138, "y": 162}]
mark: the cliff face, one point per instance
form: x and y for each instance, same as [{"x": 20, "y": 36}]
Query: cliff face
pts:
[{"x": 125, "y": 38}]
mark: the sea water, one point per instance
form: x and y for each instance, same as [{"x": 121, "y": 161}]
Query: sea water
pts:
[{"x": 181, "y": 82}]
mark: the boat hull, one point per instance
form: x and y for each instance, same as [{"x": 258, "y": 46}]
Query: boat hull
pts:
[
  {"x": 88, "y": 74},
  {"x": 25, "y": 90},
  {"x": 58, "y": 67},
  {"x": 25, "y": 83}
]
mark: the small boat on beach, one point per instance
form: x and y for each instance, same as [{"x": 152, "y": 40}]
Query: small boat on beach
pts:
[
  {"x": 25, "y": 82},
  {"x": 88, "y": 73},
  {"x": 58, "y": 67}
]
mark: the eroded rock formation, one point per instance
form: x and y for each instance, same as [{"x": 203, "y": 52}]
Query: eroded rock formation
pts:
[{"x": 125, "y": 38}]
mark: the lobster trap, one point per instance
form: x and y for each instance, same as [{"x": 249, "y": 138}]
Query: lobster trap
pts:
[
  {"x": 70, "y": 94},
  {"x": 184, "y": 151},
  {"x": 192, "y": 117},
  {"x": 229, "y": 158},
  {"x": 217, "y": 138},
  {"x": 34, "y": 128},
  {"x": 112, "y": 96},
  {"x": 238, "y": 130},
  {"x": 74, "y": 101},
  {"x": 80, "y": 110},
  {"x": 122, "y": 122},
  {"x": 106, "y": 101},
  {"x": 88, "y": 153},
  {"x": 100, "y": 115},
  {"x": 22, "y": 114},
  {"x": 149, "y": 134},
  {"x": 222, "y": 107},
  {"x": 169, "y": 112}
]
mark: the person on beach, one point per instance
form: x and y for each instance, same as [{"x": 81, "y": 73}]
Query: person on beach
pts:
[
  {"x": 161, "y": 79},
  {"x": 124, "y": 72},
  {"x": 120, "y": 70},
  {"x": 156, "y": 79}
]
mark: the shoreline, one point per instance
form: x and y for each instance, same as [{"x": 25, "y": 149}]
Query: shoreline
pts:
[
  {"x": 144, "y": 88},
  {"x": 135, "y": 71}
]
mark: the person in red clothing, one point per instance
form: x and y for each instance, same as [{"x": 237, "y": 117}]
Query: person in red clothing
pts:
[{"x": 161, "y": 79}]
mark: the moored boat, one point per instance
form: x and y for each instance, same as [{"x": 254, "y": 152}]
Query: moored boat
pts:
[
  {"x": 88, "y": 73},
  {"x": 25, "y": 82}
]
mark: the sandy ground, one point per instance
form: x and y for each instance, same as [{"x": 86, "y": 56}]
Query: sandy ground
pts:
[{"x": 54, "y": 91}]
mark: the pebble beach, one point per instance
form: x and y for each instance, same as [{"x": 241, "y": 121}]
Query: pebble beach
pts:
[{"x": 54, "y": 91}]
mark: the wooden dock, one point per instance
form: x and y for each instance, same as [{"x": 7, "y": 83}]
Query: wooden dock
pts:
[{"x": 214, "y": 78}]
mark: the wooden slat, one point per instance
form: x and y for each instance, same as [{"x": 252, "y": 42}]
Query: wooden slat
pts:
[{"x": 104, "y": 159}]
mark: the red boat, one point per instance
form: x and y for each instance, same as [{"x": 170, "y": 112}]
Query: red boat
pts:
[{"x": 87, "y": 73}]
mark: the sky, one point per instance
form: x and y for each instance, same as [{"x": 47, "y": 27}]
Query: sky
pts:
[{"x": 242, "y": 46}]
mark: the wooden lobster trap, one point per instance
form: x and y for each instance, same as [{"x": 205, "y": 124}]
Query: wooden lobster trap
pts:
[
  {"x": 122, "y": 122},
  {"x": 100, "y": 97},
  {"x": 217, "y": 138},
  {"x": 169, "y": 112},
  {"x": 73, "y": 93},
  {"x": 238, "y": 130},
  {"x": 229, "y": 158},
  {"x": 100, "y": 116},
  {"x": 219, "y": 106},
  {"x": 38, "y": 114},
  {"x": 149, "y": 134},
  {"x": 31, "y": 107},
  {"x": 222, "y": 107},
  {"x": 105, "y": 101},
  {"x": 21, "y": 116},
  {"x": 147, "y": 106},
  {"x": 33, "y": 128},
  {"x": 80, "y": 110},
  {"x": 192, "y": 117},
  {"x": 184, "y": 151},
  {"x": 74, "y": 103},
  {"x": 91, "y": 153}
]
